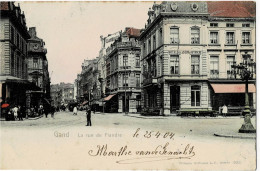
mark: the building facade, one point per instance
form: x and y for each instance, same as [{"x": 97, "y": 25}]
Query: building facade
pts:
[
  {"x": 123, "y": 73},
  {"x": 188, "y": 49},
  {"x": 13, "y": 50},
  {"x": 37, "y": 69}
]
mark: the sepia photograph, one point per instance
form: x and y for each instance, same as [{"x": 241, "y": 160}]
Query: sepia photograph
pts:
[{"x": 128, "y": 85}]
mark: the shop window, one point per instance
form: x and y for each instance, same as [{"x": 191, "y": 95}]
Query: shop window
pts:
[{"x": 195, "y": 95}]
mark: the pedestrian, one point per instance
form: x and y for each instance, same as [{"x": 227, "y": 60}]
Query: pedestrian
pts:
[
  {"x": 75, "y": 110},
  {"x": 20, "y": 113},
  {"x": 88, "y": 112},
  {"x": 15, "y": 111},
  {"x": 52, "y": 111},
  {"x": 46, "y": 111},
  {"x": 224, "y": 110}
]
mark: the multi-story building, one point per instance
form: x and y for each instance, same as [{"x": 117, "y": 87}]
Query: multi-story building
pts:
[
  {"x": 187, "y": 52},
  {"x": 13, "y": 54},
  {"x": 37, "y": 69},
  {"x": 62, "y": 94},
  {"x": 56, "y": 95},
  {"x": 123, "y": 73},
  {"x": 101, "y": 62}
]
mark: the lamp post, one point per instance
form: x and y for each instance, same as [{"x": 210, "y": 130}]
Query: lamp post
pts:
[
  {"x": 246, "y": 71},
  {"x": 125, "y": 90}
]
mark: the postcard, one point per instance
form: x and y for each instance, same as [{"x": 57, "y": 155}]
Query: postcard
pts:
[{"x": 128, "y": 85}]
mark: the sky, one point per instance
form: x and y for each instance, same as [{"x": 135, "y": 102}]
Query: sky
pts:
[{"x": 72, "y": 30}]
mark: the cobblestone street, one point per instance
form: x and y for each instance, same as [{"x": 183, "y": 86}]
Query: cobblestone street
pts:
[{"x": 118, "y": 129}]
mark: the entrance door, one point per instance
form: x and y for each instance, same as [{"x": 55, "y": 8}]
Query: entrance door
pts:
[
  {"x": 125, "y": 104},
  {"x": 175, "y": 98}
]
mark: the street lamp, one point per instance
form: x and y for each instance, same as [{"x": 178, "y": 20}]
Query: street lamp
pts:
[{"x": 246, "y": 71}]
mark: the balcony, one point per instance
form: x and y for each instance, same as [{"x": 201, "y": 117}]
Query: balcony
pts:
[{"x": 121, "y": 45}]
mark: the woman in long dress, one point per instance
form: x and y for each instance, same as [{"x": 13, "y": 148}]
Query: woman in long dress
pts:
[{"x": 75, "y": 110}]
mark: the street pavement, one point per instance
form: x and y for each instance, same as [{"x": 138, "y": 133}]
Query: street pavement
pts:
[{"x": 66, "y": 138}]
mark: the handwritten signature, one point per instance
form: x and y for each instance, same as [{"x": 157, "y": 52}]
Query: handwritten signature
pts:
[{"x": 159, "y": 153}]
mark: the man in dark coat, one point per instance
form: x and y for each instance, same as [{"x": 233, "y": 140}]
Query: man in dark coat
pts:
[{"x": 88, "y": 112}]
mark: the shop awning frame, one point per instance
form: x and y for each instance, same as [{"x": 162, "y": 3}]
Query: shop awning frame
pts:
[{"x": 232, "y": 88}]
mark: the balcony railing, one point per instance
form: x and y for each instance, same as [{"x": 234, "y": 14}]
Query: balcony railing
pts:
[{"x": 121, "y": 45}]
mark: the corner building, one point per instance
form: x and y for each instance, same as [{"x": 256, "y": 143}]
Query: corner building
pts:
[{"x": 182, "y": 54}]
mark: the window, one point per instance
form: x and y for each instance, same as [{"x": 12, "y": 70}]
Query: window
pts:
[
  {"x": 230, "y": 38},
  {"x": 12, "y": 62},
  {"x": 35, "y": 62},
  {"x": 195, "y": 95},
  {"x": 174, "y": 64},
  {"x": 154, "y": 42},
  {"x": 230, "y": 24},
  {"x": 149, "y": 45},
  {"x": 137, "y": 80},
  {"x": 137, "y": 61},
  {"x": 144, "y": 49},
  {"x": 213, "y": 24},
  {"x": 125, "y": 80},
  {"x": 195, "y": 64},
  {"x": 17, "y": 40},
  {"x": 125, "y": 60},
  {"x": 12, "y": 34},
  {"x": 245, "y": 37},
  {"x": 230, "y": 62},
  {"x": 195, "y": 35},
  {"x": 213, "y": 37},
  {"x": 246, "y": 25},
  {"x": 214, "y": 66},
  {"x": 174, "y": 35},
  {"x": 160, "y": 36}
]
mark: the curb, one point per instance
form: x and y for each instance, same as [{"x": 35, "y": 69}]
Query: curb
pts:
[
  {"x": 143, "y": 117},
  {"x": 234, "y": 136},
  {"x": 35, "y": 118}
]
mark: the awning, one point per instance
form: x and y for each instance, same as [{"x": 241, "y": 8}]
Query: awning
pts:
[
  {"x": 233, "y": 88},
  {"x": 109, "y": 97},
  {"x": 85, "y": 102}
]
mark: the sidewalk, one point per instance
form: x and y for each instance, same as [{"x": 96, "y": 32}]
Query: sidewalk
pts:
[
  {"x": 226, "y": 134},
  {"x": 138, "y": 115}
]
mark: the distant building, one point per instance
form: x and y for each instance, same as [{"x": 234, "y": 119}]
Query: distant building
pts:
[
  {"x": 38, "y": 69},
  {"x": 62, "y": 94}
]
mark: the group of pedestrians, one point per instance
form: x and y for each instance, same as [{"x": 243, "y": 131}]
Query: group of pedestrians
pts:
[{"x": 15, "y": 113}]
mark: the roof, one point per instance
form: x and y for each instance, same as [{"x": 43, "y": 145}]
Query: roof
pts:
[
  {"x": 133, "y": 32},
  {"x": 4, "y": 5},
  {"x": 234, "y": 9}
]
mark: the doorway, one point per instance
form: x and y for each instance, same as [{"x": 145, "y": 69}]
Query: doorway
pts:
[{"x": 175, "y": 98}]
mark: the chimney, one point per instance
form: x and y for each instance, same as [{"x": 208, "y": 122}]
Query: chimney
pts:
[{"x": 32, "y": 32}]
